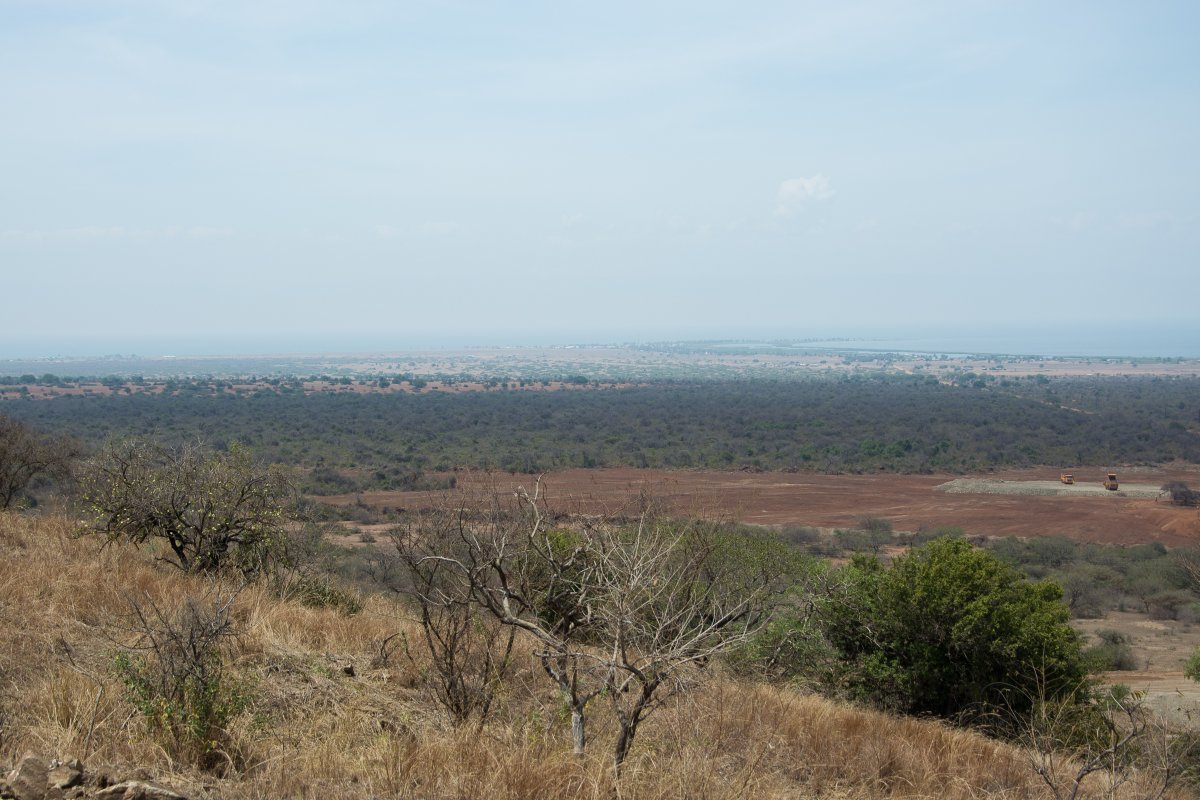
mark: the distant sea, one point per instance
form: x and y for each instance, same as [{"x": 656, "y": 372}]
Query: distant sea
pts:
[
  {"x": 1118, "y": 341},
  {"x": 1130, "y": 344}
]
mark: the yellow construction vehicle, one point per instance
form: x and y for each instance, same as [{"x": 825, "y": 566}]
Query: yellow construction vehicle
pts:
[
  {"x": 1110, "y": 482},
  {"x": 1067, "y": 477}
]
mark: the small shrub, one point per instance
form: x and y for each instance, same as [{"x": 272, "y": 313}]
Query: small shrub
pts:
[
  {"x": 1112, "y": 654},
  {"x": 175, "y": 676},
  {"x": 800, "y": 535},
  {"x": 315, "y": 591},
  {"x": 925, "y": 536},
  {"x": 1192, "y": 668}
]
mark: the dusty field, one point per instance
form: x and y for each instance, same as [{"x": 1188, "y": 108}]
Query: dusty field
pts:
[
  {"x": 911, "y": 502},
  {"x": 1161, "y": 647}
]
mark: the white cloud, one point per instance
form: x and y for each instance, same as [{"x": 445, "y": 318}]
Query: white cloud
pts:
[{"x": 796, "y": 193}]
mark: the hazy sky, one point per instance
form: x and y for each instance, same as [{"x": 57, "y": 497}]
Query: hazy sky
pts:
[{"x": 303, "y": 171}]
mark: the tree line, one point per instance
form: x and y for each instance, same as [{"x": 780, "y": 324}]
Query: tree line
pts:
[{"x": 846, "y": 424}]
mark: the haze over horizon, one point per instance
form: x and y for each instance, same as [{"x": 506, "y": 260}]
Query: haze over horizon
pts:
[
  {"x": 1101, "y": 342},
  {"x": 212, "y": 176}
]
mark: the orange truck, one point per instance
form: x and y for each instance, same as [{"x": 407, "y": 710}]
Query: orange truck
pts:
[{"x": 1067, "y": 477}]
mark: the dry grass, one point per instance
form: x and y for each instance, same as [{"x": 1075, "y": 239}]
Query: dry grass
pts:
[{"x": 314, "y": 731}]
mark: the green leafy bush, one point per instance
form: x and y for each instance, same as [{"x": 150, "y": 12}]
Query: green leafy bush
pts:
[
  {"x": 1112, "y": 653},
  {"x": 949, "y": 629},
  {"x": 1192, "y": 668}
]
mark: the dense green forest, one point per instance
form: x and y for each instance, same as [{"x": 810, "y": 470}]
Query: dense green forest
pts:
[{"x": 844, "y": 424}]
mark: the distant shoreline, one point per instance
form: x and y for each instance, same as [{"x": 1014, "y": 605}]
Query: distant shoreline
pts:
[{"x": 611, "y": 365}]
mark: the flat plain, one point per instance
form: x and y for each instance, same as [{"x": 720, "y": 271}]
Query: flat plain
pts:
[{"x": 913, "y": 503}]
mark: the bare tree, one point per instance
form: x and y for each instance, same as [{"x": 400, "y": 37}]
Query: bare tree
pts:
[
  {"x": 668, "y": 596},
  {"x": 506, "y": 561},
  {"x": 214, "y": 510},
  {"x": 25, "y": 455},
  {"x": 175, "y": 673},
  {"x": 469, "y": 655},
  {"x": 628, "y": 611},
  {"x": 1114, "y": 740}
]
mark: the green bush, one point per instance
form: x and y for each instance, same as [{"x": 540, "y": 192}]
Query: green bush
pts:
[
  {"x": 1192, "y": 668},
  {"x": 949, "y": 629},
  {"x": 789, "y": 648},
  {"x": 316, "y": 591},
  {"x": 1113, "y": 653}
]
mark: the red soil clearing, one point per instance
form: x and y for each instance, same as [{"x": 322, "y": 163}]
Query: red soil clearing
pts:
[{"x": 911, "y": 502}]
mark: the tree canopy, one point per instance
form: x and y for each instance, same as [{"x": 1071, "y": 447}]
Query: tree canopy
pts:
[
  {"x": 213, "y": 509},
  {"x": 950, "y": 629}
]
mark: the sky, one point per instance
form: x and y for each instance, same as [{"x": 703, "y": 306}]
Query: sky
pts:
[{"x": 231, "y": 176}]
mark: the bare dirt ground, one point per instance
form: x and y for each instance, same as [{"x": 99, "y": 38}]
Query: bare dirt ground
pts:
[
  {"x": 911, "y": 502},
  {"x": 1161, "y": 648}
]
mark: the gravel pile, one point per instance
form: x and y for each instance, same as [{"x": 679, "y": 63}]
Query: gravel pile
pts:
[{"x": 1045, "y": 488}]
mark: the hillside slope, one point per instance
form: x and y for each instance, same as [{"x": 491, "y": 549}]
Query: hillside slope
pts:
[{"x": 324, "y": 715}]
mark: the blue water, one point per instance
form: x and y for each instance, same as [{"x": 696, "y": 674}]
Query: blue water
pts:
[
  {"x": 1125, "y": 341},
  {"x": 1161, "y": 343}
]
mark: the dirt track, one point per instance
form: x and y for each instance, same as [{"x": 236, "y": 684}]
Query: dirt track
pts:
[{"x": 911, "y": 502}]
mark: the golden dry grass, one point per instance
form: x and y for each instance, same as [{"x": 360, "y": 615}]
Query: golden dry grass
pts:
[{"x": 313, "y": 731}]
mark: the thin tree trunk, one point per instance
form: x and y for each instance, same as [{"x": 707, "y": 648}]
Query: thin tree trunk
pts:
[
  {"x": 578, "y": 734},
  {"x": 624, "y": 742}
]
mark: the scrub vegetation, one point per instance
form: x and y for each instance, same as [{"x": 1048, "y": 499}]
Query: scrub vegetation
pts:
[
  {"x": 857, "y": 423},
  {"x": 176, "y": 606},
  {"x": 222, "y": 688}
]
